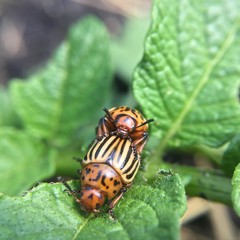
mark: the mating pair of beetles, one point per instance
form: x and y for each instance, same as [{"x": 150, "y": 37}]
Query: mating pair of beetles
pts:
[{"x": 112, "y": 160}]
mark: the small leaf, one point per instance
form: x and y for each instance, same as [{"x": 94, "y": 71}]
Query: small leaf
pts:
[
  {"x": 47, "y": 212},
  {"x": 23, "y": 161},
  {"x": 72, "y": 89},
  {"x": 231, "y": 156},
  {"x": 189, "y": 76},
  {"x": 236, "y": 190}
]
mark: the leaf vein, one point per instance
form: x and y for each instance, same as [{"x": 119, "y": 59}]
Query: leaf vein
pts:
[
  {"x": 202, "y": 82},
  {"x": 82, "y": 225}
]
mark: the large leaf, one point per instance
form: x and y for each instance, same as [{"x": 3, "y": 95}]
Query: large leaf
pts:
[
  {"x": 46, "y": 212},
  {"x": 23, "y": 161},
  {"x": 236, "y": 189},
  {"x": 73, "y": 87},
  {"x": 189, "y": 76}
]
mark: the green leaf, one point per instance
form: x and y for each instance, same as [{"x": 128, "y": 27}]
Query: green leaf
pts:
[
  {"x": 127, "y": 48},
  {"x": 236, "y": 190},
  {"x": 165, "y": 203},
  {"x": 72, "y": 89},
  {"x": 189, "y": 76},
  {"x": 23, "y": 161},
  {"x": 231, "y": 156},
  {"x": 7, "y": 115},
  {"x": 47, "y": 212}
]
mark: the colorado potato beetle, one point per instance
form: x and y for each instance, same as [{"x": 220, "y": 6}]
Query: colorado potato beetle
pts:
[
  {"x": 108, "y": 169},
  {"x": 125, "y": 122}
]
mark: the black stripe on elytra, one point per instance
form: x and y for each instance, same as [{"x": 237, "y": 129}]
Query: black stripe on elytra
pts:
[
  {"x": 97, "y": 177},
  {"x": 110, "y": 145},
  {"x": 91, "y": 152},
  {"x": 100, "y": 146},
  {"x": 121, "y": 150},
  {"x": 127, "y": 158},
  {"x": 130, "y": 167},
  {"x": 90, "y": 148},
  {"x": 129, "y": 176},
  {"x": 110, "y": 158}
]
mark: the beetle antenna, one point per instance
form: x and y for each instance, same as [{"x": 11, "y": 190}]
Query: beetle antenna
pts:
[
  {"x": 148, "y": 121},
  {"x": 108, "y": 114}
]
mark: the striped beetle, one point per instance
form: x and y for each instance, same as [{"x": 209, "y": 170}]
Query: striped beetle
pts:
[
  {"x": 108, "y": 169},
  {"x": 126, "y": 122}
]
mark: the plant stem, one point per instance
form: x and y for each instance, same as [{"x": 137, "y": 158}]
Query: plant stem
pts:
[
  {"x": 206, "y": 183},
  {"x": 212, "y": 185},
  {"x": 214, "y": 154}
]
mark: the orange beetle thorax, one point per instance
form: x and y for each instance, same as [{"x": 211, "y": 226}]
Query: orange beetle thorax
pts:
[{"x": 125, "y": 125}]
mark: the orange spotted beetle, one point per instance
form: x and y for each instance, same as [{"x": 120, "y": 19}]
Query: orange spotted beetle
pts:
[
  {"x": 108, "y": 169},
  {"x": 125, "y": 122}
]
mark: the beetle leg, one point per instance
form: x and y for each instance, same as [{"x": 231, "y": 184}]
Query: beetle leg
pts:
[
  {"x": 129, "y": 138},
  {"x": 77, "y": 159},
  {"x": 140, "y": 143},
  {"x": 63, "y": 181},
  {"x": 69, "y": 190},
  {"x": 102, "y": 129},
  {"x": 115, "y": 201},
  {"x": 111, "y": 213}
]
